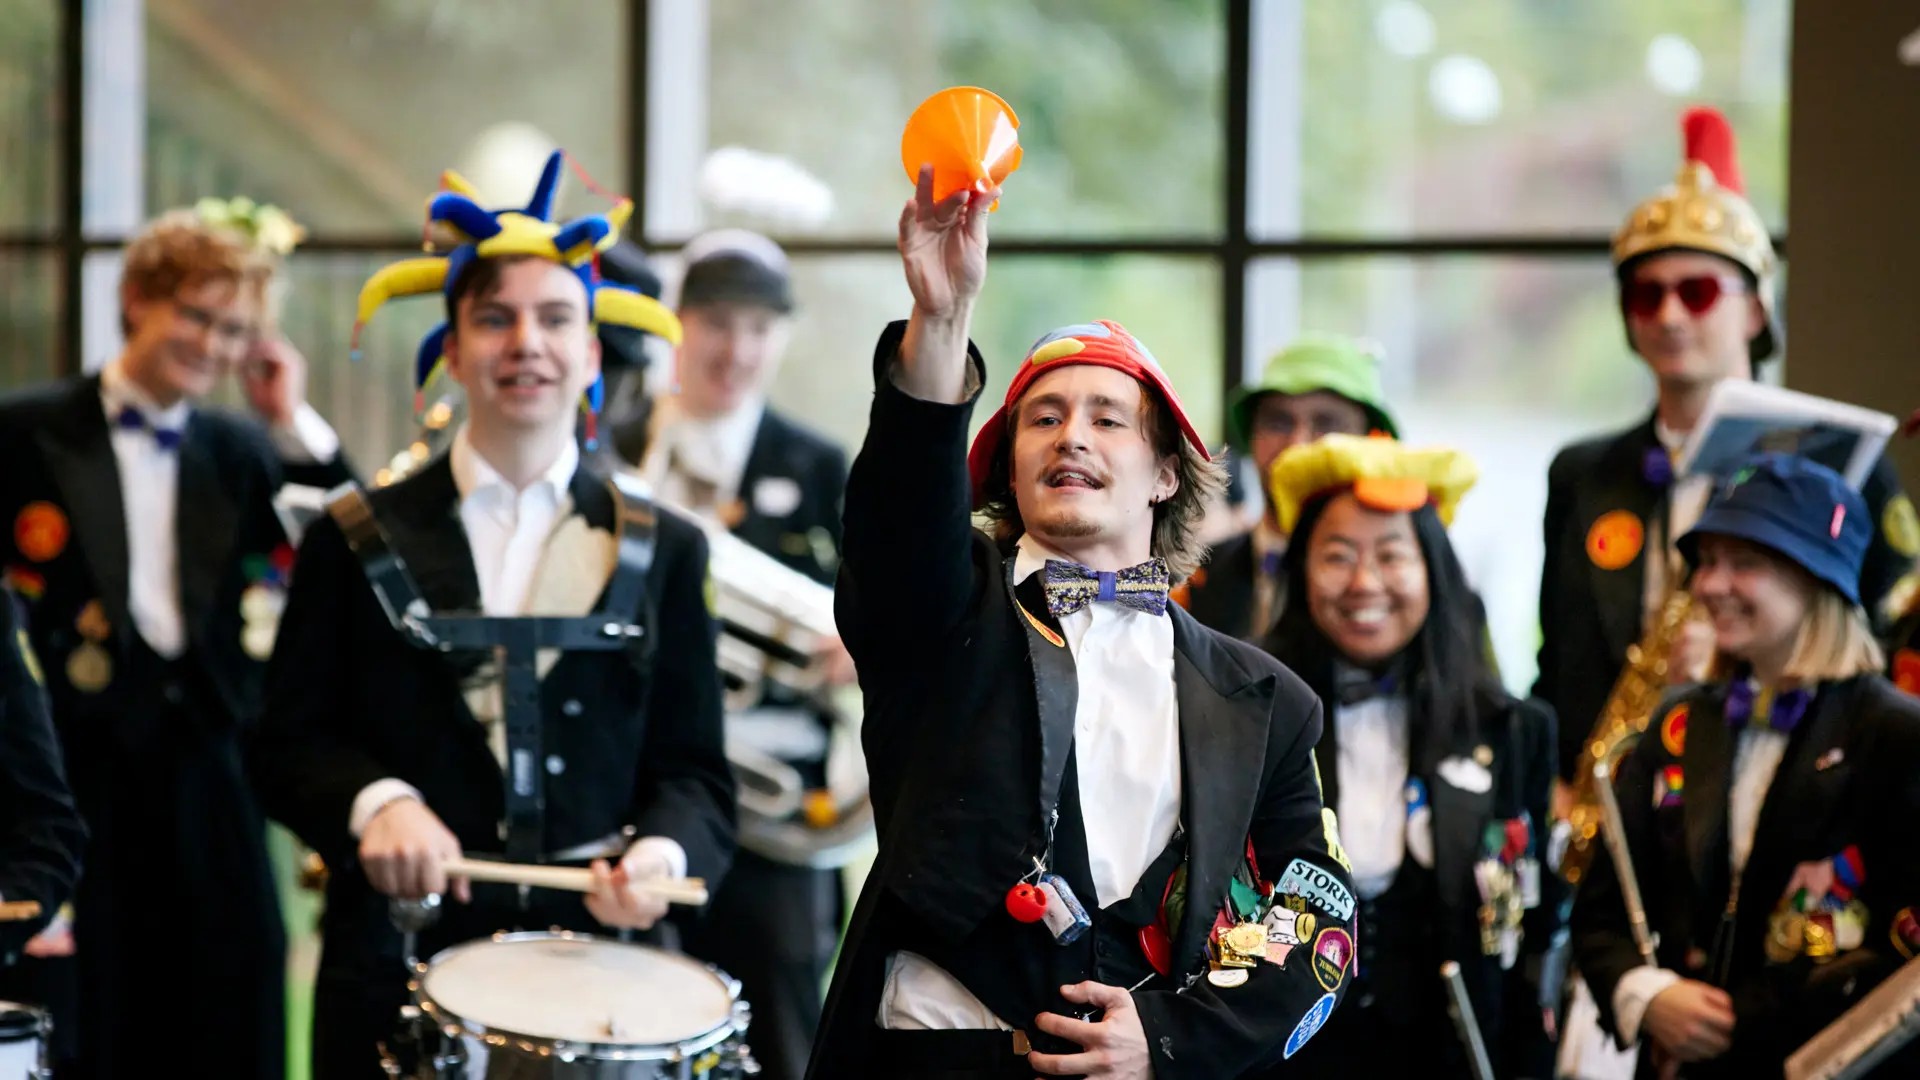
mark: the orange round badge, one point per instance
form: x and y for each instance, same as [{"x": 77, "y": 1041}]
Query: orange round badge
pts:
[
  {"x": 40, "y": 532},
  {"x": 1906, "y": 671},
  {"x": 1673, "y": 731},
  {"x": 1615, "y": 539}
]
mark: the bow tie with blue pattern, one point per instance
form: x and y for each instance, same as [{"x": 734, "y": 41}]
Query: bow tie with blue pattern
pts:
[{"x": 1142, "y": 587}]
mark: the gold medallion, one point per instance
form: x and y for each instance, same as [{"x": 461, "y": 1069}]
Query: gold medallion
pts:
[
  {"x": 89, "y": 668},
  {"x": 1246, "y": 939},
  {"x": 92, "y": 623}
]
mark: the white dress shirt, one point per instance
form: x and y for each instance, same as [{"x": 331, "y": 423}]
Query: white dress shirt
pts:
[
  {"x": 698, "y": 462},
  {"x": 150, "y": 495},
  {"x": 1373, "y": 789},
  {"x": 1755, "y": 760},
  {"x": 1126, "y": 739},
  {"x": 507, "y": 530}
]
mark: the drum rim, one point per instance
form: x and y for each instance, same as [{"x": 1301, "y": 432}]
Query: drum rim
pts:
[{"x": 453, "y": 1023}]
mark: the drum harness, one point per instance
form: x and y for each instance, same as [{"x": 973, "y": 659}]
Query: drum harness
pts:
[{"x": 515, "y": 640}]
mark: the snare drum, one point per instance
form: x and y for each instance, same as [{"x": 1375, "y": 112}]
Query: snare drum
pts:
[
  {"x": 25, "y": 1042},
  {"x": 577, "y": 1007}
]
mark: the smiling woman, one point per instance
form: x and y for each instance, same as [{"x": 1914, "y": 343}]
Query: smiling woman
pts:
[{"x": 1429, "y": 757}]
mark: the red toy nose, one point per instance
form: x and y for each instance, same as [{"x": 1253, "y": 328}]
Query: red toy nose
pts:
[{"x": 1026, "y": 903}]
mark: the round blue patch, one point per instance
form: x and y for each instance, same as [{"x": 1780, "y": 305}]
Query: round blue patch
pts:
[{"x": 1309, "y": 1024}]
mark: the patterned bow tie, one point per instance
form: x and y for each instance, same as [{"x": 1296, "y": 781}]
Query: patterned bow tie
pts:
[
  {"x": 132, "y": 419},
  {"x": 1749, "y": 705},
  {"x": 1142, "y": 587}
]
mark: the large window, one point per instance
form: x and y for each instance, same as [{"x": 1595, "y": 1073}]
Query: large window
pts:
[{"x": 1440, "y": 175}]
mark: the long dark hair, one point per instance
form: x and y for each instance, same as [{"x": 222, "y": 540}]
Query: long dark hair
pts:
[{"x": 1450, "y": 686}]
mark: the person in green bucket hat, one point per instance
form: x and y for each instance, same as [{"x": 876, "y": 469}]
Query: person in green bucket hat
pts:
[{"x": 1320, "y": 384}]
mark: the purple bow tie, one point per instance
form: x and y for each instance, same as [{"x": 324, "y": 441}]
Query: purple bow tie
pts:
[
  {"x": 133, "y": 419},
  {"x": 1142, "y": 587},
  {"x": 1783, "y": 714}
]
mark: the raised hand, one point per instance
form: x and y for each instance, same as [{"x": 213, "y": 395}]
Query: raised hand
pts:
[{"x": 943, "y": 246}]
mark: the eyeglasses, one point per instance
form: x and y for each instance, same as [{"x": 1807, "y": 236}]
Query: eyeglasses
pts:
[{"x": 1644, "y": 299}]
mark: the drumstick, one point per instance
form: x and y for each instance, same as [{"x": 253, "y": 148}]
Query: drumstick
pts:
[
  {"x": 19, "y": 910},
  {"x": 689, "y": 891}
]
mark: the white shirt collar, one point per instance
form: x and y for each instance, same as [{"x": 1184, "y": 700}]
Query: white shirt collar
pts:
[
  {"x": 1669, "y": 438},
  {"x": 703, "y": 438},
  {"x": 1030, "y": 557},
  {"x": 118, "y": 391},
  {"x": 472, "y": 473}
]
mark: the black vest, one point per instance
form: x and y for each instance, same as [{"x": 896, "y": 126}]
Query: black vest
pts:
[{"x": 1017, "y": 969}]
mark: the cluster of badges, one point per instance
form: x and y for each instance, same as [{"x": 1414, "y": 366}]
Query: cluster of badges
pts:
[
  {"x": 1820, "y": 927},
  {"x": 90, "y": 665},
  {"x": 264, "y": 599},
  {"x": 1507, "y": 875},
  {"x": 1265, "y": 921}
]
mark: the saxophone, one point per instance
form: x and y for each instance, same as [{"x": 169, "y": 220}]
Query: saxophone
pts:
[{"x": 1629, "y": 708}]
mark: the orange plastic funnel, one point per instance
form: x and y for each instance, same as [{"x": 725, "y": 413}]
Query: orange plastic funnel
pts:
[{"x": 970, "y": 137}]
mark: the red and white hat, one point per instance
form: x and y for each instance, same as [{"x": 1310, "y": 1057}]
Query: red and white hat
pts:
[{"x": 1103, "y": 343}]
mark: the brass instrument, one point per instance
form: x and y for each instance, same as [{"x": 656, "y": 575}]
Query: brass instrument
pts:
[
  {"x": 1636, "y": 693},
  {"x": 775, "y": 626}
]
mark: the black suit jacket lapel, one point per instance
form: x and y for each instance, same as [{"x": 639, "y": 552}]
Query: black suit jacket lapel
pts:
[
  {"x": 1624, "y": 487},
  {"x": 206, "y": 525},
  {"x": 79, "y": 454},
  {"x": 422, "y": 520},
  {"x": 1056, "y": 681},
  {"x": 1707, "y": 761},
  {"x": 1223, "y": 750},
  {"x": 761, "y": 458}
]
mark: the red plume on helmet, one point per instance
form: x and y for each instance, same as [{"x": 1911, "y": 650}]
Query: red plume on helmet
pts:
[{"x": 1709, "y": 141}]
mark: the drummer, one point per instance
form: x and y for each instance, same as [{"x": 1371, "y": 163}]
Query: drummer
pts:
[{"x": 389, "y": 759}]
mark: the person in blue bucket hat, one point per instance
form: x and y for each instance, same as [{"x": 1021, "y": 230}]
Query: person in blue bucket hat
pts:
[{"x": 1767, "y": 810}]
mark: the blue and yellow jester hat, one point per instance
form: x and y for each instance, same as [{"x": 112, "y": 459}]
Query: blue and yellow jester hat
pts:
[{"x": 459, "y": 231}]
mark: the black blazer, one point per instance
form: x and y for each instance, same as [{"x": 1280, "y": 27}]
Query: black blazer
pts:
[
  {"x": 1220, "y": 594},
  {"x": 1519, "y": 737},
  {"x": 787, "y": 458},
  {"x": 1589, "y": 615},
  {"x": 1851, "y": 775},
  {"x": 955, "y": 734},
  {"x": 350, "y": 702},
  {"x": 41, "y": 834},
  {"x": 56, "y": 444}
]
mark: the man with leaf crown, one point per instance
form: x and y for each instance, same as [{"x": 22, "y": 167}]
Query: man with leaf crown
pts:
[
  {"x": 388, "y": 753},
  {"x": 140, "y": 532},
  {"x": 1696, "y": 274}
]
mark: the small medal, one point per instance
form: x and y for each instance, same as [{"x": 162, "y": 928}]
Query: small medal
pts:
[
  {"x": 92, "y": 624},
  {"x": 1227, "y": 978},
  {"x": 89, "y": 668},
  {"x": 257, "y": 639}
]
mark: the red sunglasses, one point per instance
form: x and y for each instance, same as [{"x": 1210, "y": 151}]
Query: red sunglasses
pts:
[{"x": 1698, "y": 294}]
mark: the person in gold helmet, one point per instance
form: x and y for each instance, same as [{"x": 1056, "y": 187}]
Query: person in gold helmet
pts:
[{"x": 1696, "y": 275}]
